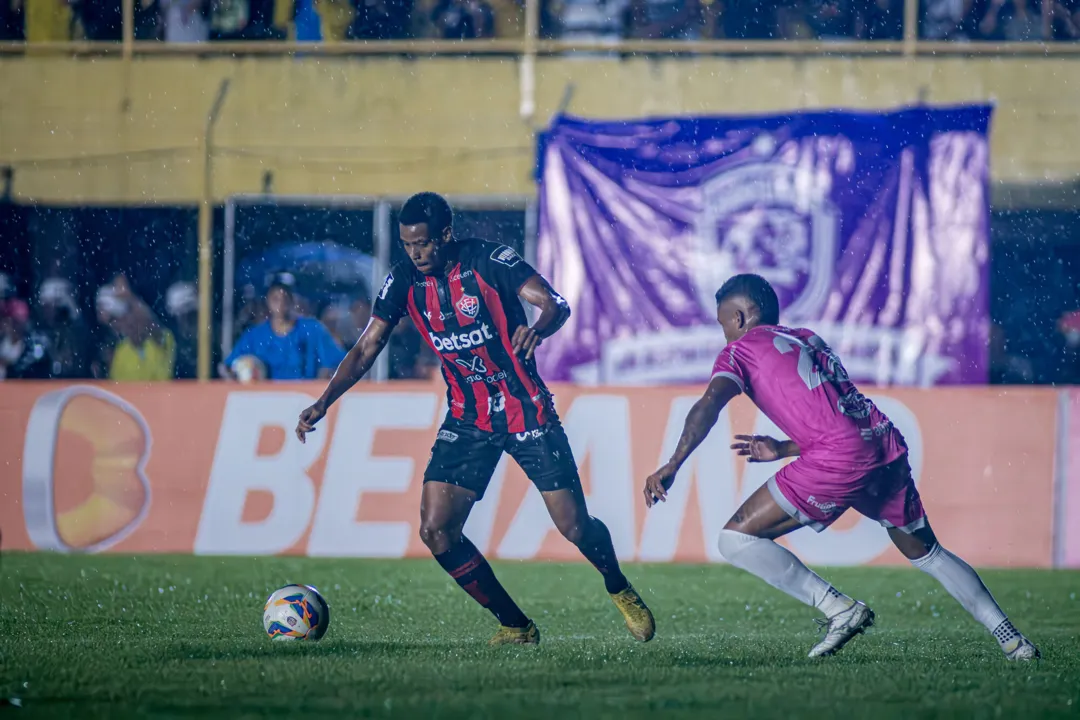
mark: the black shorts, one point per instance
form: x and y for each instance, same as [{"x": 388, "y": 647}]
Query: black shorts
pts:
[{"x": 466, "y": 456}]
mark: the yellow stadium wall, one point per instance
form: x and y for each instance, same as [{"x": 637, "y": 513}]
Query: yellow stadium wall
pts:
[{"x": 101, "y": 131}]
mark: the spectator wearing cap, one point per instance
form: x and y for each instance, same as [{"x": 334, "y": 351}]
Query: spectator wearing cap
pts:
[
  {"x": 62, "y": 325},
  {"x": 145, "y": 349},
  {"x": 292, "y": 347},
  {"x": 182, "y": 304}
]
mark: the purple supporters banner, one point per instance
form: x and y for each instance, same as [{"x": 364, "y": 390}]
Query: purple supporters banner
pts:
[{"x": 872, "y": 227}]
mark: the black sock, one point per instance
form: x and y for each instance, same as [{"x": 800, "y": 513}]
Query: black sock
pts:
[
  {"x": 468, "y": 567},
  {"x": 597, "y": 548}
]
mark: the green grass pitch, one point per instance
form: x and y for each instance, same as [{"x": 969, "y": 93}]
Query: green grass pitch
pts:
[{"x": 166, "y": 636}]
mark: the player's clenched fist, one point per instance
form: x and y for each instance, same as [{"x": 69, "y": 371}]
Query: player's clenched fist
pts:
[
  {"x": 307, "y": 421},
  {"x": 757, "y": 448},
  {"x": 658, "y": 484}
]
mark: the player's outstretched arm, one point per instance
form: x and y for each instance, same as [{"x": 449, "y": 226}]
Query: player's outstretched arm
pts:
[
  {"x": 554, "y": 312},
  {"x": 349, "y": 371},
  {"x": 699, "y": 422}
]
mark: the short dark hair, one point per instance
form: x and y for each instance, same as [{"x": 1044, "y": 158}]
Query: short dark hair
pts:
[
  {"x": 430, "y": 209},
  {"x": 757, "y": 290}
]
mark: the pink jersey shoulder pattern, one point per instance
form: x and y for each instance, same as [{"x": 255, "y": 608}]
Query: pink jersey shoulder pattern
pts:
[{"x": 801, "y": 385}]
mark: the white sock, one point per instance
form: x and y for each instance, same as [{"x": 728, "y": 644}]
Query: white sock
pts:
[
  {"x": 964, "y": 584},
  {"x": 779, "y": 567}
]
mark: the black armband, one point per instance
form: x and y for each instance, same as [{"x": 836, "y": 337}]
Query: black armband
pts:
[{"x": 559, "y": 320}]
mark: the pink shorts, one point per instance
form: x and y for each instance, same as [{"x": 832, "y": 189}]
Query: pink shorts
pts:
[{"x": 816, "y": 498}]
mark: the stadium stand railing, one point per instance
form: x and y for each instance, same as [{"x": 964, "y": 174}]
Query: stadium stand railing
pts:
[{"x": 530, "y": 44}]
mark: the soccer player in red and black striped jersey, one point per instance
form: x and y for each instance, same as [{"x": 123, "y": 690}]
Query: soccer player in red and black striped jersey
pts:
[{"x": 464, "y": 296}]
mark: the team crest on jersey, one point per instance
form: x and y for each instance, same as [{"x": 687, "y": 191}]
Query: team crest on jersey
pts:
[
  {"x": 506, "y": 256},
  {"x": 770, "y": 218},
  {"x": 469, "y": 305}
]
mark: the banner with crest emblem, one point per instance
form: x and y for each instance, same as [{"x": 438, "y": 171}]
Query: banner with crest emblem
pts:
[{"x": 872, "y": 226}]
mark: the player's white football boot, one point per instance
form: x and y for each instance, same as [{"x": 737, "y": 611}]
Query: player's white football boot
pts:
[
  {"x": 840, "y": 628},
  {"x": 1024, "y": 650}
]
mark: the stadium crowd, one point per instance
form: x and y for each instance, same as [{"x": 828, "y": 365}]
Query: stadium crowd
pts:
[
  {"x": 187, "y": 21},
  {"x": 49, "y": 335}
]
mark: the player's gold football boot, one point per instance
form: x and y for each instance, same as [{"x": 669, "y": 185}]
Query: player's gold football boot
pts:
[
  {"x": 638, "y": 617},
  {"x": 529, "y": 635}
]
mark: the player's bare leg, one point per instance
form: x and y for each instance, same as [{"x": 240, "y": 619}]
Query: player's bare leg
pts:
[
  {"x": 444, "y": 508},
  {"x": 571, "y": 516},
  {"x": 924, "y": 551},
  {"x": 748, "y": 542}
]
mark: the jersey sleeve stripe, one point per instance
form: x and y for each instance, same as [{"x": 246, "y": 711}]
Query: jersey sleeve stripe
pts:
[{"x": 730, "y": 376}]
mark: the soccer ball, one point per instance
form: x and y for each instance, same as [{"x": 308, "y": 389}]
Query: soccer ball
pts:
[
  {"x": 248, "y": 368},
  {"x": 296, "y": 612}
]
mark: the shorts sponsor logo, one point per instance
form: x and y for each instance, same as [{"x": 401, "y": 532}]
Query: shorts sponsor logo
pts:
[
  {"x": 386, "y": 286},
  {"x": 505, "y": 256},
  {"x": 461, "y": 341},
  {"x": 530, "y": 435},
  {"x": 825, "y": 507},
  {"x": 475, "y": 364},
  {"x": 469, "y": 305},
  {"x": 447, "y": 436}
]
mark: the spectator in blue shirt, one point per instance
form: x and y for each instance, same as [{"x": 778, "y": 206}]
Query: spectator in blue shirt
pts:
[{"x": 290, "y": 346}]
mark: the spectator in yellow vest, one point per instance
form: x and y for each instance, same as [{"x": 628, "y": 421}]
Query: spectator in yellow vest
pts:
[{"x": 145, "y": 350}]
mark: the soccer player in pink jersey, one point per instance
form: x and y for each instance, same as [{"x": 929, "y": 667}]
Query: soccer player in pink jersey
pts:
[{"x": 849, "y": 455}]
